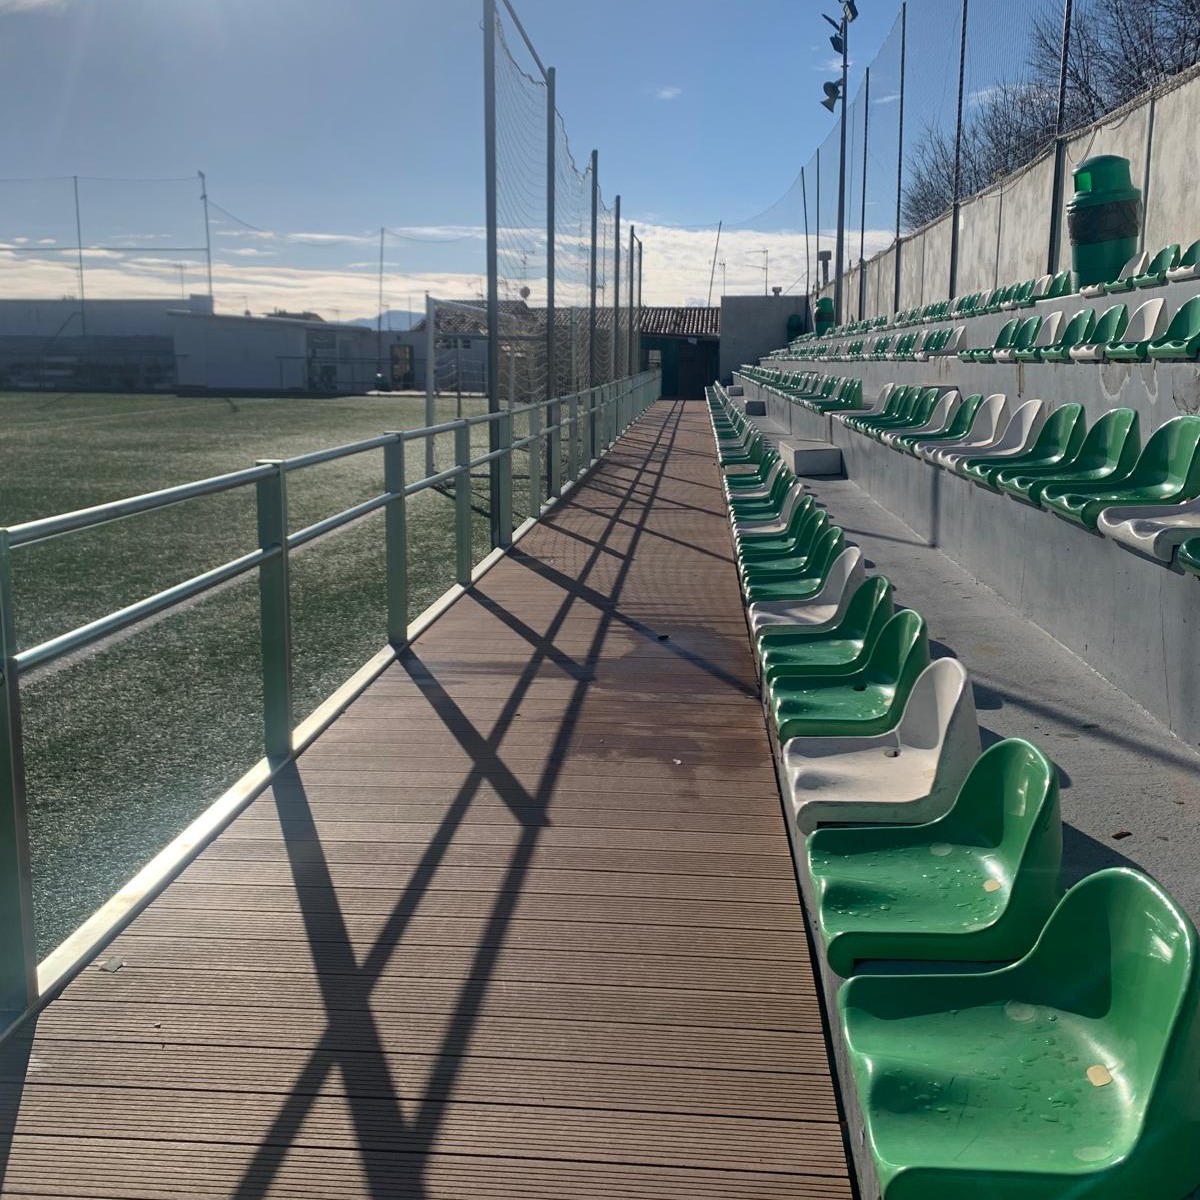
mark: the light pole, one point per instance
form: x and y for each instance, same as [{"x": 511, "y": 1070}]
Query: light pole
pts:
[{"x": 834, "y": 92}]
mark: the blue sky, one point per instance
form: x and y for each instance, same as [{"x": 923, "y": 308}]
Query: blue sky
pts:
[{"x": 334, "y": 118}]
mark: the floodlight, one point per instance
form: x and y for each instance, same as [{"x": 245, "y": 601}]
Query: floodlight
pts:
[
  {"x": 839, "y": 47},
  {"x": 850, "y": 10}
]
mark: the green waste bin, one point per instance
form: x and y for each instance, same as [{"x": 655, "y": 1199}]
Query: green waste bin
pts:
[
  {"x": 1104, "y": 218},
  {"x": 795, "y": 326},
  {"x": 824, "y": 318}
]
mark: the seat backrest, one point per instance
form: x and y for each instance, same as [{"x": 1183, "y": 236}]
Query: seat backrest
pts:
[
  {"x": 942, "y": 411},
  {"x": 1135, "y": 266},
  {"x": 1062, "y": 433},
  {"x": 941, "y": 691},
  {"x": 1110, "y": 325},
  {"x": 1114, "y": 440},
  {"x": 1146, "y": 323},
  {"x": 1185, "y": 323},
  {"x": 1164, "y": 260},
  {"x": 1078, "y": 330},
  {"x": 1120, "y": 953},
  {"x": 1060, "y": 285},
  {"x": 870, "y": 608},
  {"x": 1026, "y": 332},
  {"x": 1042, "y": 285},
  {"x": 1024, "y": 423},
  {"x": 964, "y": 416},
  {"x": 1191, "y": 256},
  {"x": 953, "y": 339},
  {"x": 992, "y": 415},
  {"x": 1048, "y": 331},
  {"x": 1008, "y": 331},
  {"x": 924, "y": 406},
  {"x": 1170, "y": 454},
  {"x": 827, "y": 545},
  {"x": 902, "y": 638}
]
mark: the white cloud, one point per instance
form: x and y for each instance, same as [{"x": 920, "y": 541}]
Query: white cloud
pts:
[
  {"x": 890, "y": 98},
  {"x": 29, "y": 5},
  {"x": 669, "y": 93}
]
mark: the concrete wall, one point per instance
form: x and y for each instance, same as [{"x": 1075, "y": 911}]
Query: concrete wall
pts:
[
  {"x": 935, "y": 268},
  {"x": 912, "y": 270},
  {"x": 978, "y": 221},
  {"x": 1132, "y": 620},
  {"x": 1171, "y": 200},
  {"x": 1024, "y": 239},
  {"x": 752, "y": 326}
]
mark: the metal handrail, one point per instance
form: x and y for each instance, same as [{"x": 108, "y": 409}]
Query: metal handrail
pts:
[{"x": 594, "y": 419}]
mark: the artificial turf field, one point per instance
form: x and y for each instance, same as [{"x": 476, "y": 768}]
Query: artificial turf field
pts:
[{"x": 126, "y": 744}]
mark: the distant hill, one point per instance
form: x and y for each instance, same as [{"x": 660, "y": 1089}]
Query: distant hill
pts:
[{"x": 393, "y": 318}]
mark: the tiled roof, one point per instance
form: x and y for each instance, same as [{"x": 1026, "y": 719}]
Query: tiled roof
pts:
[
  {"x": 656, "y": 322},
  {"x": 681, "y": 322}
]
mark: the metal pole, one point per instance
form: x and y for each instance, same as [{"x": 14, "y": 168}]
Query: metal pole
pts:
[
  {"x": 592, "y": 298},
  {"x": 207, "y": 232},
  {"x": 493, "y": 266},
  {"x": 616, "y": 337},
  {"x": 430, "y": 376},
  {"x": 1060, "y": 145},
  {"x": 18, "y": 962},
  {"x": 379, "y": 329},
  {"x": 807, "y": 248},
  {"x": 818, "y": 217},
  {"x": 862, "y": 229},
  {"x": 79, "y": 250},
  {"x": 962, "y": 71},
  {"x": 629, "y": 308},
  {"x": 274, "y": 594},
  {"x": 841, "y": 225},
  {"x": 462, "y": 504},
  {"x": 900, "y": 148},
  {"x": 639, "y": 305},
  {"x": 716, "y": 251},
  {"x": 551, "y": 168},
  {"x": 395, "y": 535}
]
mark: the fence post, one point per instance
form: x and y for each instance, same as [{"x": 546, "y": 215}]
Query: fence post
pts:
[
  {"x": 551, "y": 180},
  {"x": 395, "y": 535},
  {"x": 275, "y": 616},
  {"x": 463, "y": 549},
  {"x": 900, "y": 149},
  {"x": 616, "y": 337},
  {"x": 1060, "y": 146},
  {"x": 962, "y": 74},
  {"x": 430, "y": 376},
  {"x": 18, "y": 964},
  {"x": 554, "y": 448},
  {"x": 862, "y": 228},
  {"x": 500, "y": 536},
  {"x": 503, "y": 473},
  {"x": 592, "y": 270},
  {"x": 535, "y": 462},
  {"x": 573, "y": 444}
]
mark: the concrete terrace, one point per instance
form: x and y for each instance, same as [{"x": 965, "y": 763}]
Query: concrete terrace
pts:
[{"x": 522, "y": 923}]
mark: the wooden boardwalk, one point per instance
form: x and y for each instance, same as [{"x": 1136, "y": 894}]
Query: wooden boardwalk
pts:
[{"x": 521, "y": 924}]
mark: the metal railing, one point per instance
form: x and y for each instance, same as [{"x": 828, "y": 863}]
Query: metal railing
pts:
[{"x": 588, "y": 422}]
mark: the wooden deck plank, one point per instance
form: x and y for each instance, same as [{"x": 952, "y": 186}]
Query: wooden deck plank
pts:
[{"x": 522, "y": 924}]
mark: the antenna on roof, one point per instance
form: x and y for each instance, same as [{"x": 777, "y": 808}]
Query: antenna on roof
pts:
[{"x": 713, "y": 275}]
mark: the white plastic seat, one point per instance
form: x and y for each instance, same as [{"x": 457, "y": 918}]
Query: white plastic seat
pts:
[
  {"x": 1023, "y": 426},
  {"x": 1135, "y": 266},
  {"x": 952, "y": 343},
  {"x": 942, "y": 415},
  {"x": 1041, "y": 287},
  {"x": 825, "y": 609},
  {"x": 984, "y": 429},
  {"x": 1048, "y": 330},
  {"x": 909, "y": 775},
  {"x": 1153, "y": 530},
  {"x": 795, "y": 494},
  {"x": 1149, "y": 320}
]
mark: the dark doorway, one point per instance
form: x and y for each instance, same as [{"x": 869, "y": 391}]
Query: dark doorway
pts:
[{"x": 697, "y": 367}]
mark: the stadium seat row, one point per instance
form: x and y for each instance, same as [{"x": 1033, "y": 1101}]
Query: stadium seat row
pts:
[
  {"x": 1146, "y": 497},
  {"x": 984, "y": 1011}
]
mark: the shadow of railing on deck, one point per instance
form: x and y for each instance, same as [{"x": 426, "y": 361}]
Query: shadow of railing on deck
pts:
[{"x": 393, "y": 1146}]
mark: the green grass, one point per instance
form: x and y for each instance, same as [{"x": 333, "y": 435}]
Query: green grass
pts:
[{"x": 126, "y": 745}]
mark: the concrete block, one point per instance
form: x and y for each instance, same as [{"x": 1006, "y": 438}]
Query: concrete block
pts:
[
  {"x": 815, "y": 459},
  {"x": 755, "y": 408}
]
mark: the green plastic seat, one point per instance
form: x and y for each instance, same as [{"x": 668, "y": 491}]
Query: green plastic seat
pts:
[
  {"x": 1182, "y": 338},
  {"x": 795, "y": 561},
  {"x": 1058, "y": 441},
  {"x": 747, "y": 481},
  {"x": 785, "y": 650},
  {"x": 869, "y": 701},
  {"x": 752, "y": 547},
  {"x": 900, "y": 403},
  {"x": 1022, "y": 340},
  {"x": 1188, "y": 556},
  {"x": 805, "y": 581},
  {"x": 847, "y": 398},
  {"x": 1060, "y": 285},
  {"x": 1156, "y": 273},
  {"x": 750, "y": 457},
  {"x": 1076, "y": 332},
  {"x": 1107, "y": 453},
  {"x": 1004, "y": 339},
  {"x": 1109, "y": 327},
  {"x": 973, "y": 886},
  {"x": 1069, "y": 1075},
  {"x": 917, "y": 415},
  {"x": 746, "y": 508},
  {"x": 1145, "y": 327},
  {"x": 1167, "y": 471},
  {"x": 959, "y": 427}
]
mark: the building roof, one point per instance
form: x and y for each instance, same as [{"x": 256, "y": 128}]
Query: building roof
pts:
[{"x": 681, "y": 322}]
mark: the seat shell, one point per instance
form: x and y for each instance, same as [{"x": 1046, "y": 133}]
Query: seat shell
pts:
[
  {"x": 823, "y": 608},
  {"x": 1153, "y": 530}
]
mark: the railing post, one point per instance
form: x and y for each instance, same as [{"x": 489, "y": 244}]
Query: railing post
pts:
[
  {"x": 554, "y": 449},
  {"x": 395, "y": 535},
  {"x": 573, "y": 444},
  {"x": 592, "y": 431},
  {"x": 504, "y": 471},
  {"x": 275, "y": 616},
  {"x": 463, "y": 548},
  {"x": 18, "y": 961},
  {"x": 535, "y": 462}
]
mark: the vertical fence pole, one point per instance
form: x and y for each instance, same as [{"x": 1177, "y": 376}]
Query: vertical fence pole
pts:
[
  {"x": 463, "y": 548},
  {"x": 900, "y": 148},
  {"x": 807, "y": 248},
  {"x": 395, "y": 535},
  {"x": 551, "y": 168},
  {"x": 962, "y": 74},
  {"x": 862, "y": 228},
  {"x": 1060, "y": 145},
  {"x": 818, "y": 215},
  {"x": 573, "y": 444},
  {"x": 629, "y": 308},
  {"x": 18, "y": 961},
  {"x": 430, "y": 375},
  {"x": 79, "y": 250},
  {"x": 616, "y": 337},
  {"x": 554, "y": 450},
  {"x": 503, "y": 476},
  {"x": 593, "y": 369},
  {"x": 499, "y": 535},
  {"x": 274, "y": 599},
  {"x": 535, "y": 462},
  {"x": 840, "y": 251}
]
